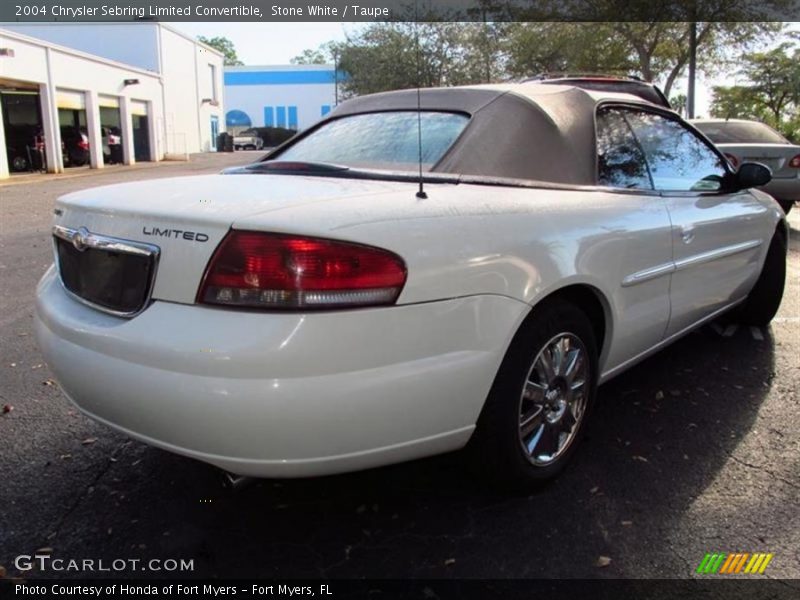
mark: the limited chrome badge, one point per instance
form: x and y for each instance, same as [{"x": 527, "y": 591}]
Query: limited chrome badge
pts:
[{"x": 80, "y": 238}]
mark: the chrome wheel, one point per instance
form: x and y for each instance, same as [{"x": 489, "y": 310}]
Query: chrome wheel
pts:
[{"x": 553, "y": 400}]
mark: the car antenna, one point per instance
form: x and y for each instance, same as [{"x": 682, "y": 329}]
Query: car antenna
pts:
[{"x": 421, "y": 191}]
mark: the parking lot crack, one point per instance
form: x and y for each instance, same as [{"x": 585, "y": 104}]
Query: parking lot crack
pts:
[
  {"x": 765, "y": 470},
  {"x": 92, "y": 484}
]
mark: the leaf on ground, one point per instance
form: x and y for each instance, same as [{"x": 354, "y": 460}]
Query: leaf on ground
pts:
[
  {"x": 659, "y": 395},
  {"x": 627, "y": 523},
  {"x": 89, "y": 441},
  {"x": 639, "y": 458},
  {"x": 2, "y": 571},
  {"x": 594, "y": 490},
  {"x": 45, "y": 550},
  {"x": 449, "y": 562},
  {"x": 48, "y": 382},
  {"x": 7, "y": 408},
  {"x": 602, "y": 561}
]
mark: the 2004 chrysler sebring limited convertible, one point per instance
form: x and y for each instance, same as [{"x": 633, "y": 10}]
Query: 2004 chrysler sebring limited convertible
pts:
[{"x": 312, "y": 313}]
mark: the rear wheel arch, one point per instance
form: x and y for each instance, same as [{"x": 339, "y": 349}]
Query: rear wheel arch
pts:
[
  {"x": 592, "y": 302},
  {"x": 497, "y": 447}
]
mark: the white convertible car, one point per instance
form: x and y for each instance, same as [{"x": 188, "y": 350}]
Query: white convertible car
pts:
[{"x": 315, "y": 313}]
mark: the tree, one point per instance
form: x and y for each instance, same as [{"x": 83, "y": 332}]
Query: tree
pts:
[
  {"x": 325, "y": 54},
  {"x": 656, "y": 51},
  {"x": 678, "y": 103},
  {"x": 772, "y": 93},
  {"x": 661, "y": 49},
  {"x": 225, "y": 46},
  {"x": 401, "y": 55},
  {"x": 735, "y": 102},
  {"x": 776, "y": 78},
  {"x": 546, "y": 47}
]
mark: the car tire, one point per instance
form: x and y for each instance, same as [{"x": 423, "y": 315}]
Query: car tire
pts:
[
  {"x": 19, "y": 163},
  {"x": 764, "y": 299},
  {"x": 532, "y": 405}
]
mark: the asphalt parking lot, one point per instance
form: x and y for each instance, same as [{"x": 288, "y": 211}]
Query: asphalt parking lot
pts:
[{"x": 695, "y": 450}]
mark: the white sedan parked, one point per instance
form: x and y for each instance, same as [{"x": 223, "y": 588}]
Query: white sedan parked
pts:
[{"x": 316, "y": 312}]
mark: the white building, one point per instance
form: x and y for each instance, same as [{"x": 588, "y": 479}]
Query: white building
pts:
[
  {"x": 161, "y": 89},
  {"x": 290, "y": 96}
]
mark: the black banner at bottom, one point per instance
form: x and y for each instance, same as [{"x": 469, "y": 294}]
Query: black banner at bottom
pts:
[{"x": 509, "y": 589}]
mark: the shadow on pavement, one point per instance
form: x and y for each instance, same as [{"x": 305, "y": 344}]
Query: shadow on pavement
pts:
[{"x": 657, "y": 439}]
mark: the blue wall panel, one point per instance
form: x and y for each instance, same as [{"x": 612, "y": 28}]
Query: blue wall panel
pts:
[{"x": 278, "y": 77}]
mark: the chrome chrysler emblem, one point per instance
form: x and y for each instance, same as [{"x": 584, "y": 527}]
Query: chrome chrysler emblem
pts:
[{"x": 79, "y": 239}]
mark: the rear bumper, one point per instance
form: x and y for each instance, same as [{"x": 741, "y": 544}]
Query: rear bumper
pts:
[{"x": 282, "y": 395}]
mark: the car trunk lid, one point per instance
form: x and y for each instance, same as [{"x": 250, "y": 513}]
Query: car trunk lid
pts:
[{"x": 183, "y": 218}]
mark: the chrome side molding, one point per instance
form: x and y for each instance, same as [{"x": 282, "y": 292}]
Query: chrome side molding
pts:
[{"x": 688, "y": 262}]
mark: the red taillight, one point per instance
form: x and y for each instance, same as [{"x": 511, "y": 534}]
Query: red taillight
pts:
[
  {"x": 83, "y": 144},
  {"x": 795, "y": 162},
  {"x": 733, "y": 160},
  {"x": 269, "y": 270}
]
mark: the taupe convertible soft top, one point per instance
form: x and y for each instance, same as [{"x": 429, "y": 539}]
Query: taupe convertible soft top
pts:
[{"x": 522, "y": 131}]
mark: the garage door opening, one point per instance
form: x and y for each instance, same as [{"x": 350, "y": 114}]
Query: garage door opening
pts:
[
  {"x": 111, "y": 129},
  {"x": 141, "y": 131},
  {"x": 72, "y": 124},
  {"x": 22, "y": 125}
]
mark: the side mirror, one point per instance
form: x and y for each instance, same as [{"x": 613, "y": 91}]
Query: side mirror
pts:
[{"x": 751, "y": 174}]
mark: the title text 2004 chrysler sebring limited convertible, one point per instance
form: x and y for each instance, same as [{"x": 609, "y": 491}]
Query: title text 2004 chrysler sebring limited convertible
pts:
[{"x": 312, "y": 314}]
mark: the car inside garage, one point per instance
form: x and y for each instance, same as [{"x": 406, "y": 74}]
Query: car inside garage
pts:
[
  {"x": 111, "y": 128},
  {"x": 72, "y": 124}
]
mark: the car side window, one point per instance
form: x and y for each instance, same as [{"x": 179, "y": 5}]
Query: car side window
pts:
[
  {"x": 677, "y": 158},
  {"x": 620, "y": 160}
]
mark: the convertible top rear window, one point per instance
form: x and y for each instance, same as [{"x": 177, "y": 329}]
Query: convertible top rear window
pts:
[{"x": 382, "y": 140}]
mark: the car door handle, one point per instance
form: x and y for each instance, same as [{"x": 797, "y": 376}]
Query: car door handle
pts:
[{"x": 687, "y": 234}]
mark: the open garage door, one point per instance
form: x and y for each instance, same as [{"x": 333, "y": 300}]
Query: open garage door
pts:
[
  {"x": 141, "y": 130},
  {"x": 72, "y": 121},
  {"x": 22, "y": 126},
  {"x": 111, "y": 128}
]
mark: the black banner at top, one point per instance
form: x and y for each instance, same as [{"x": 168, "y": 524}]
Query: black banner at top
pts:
[{"x": 397, "y": 10}]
